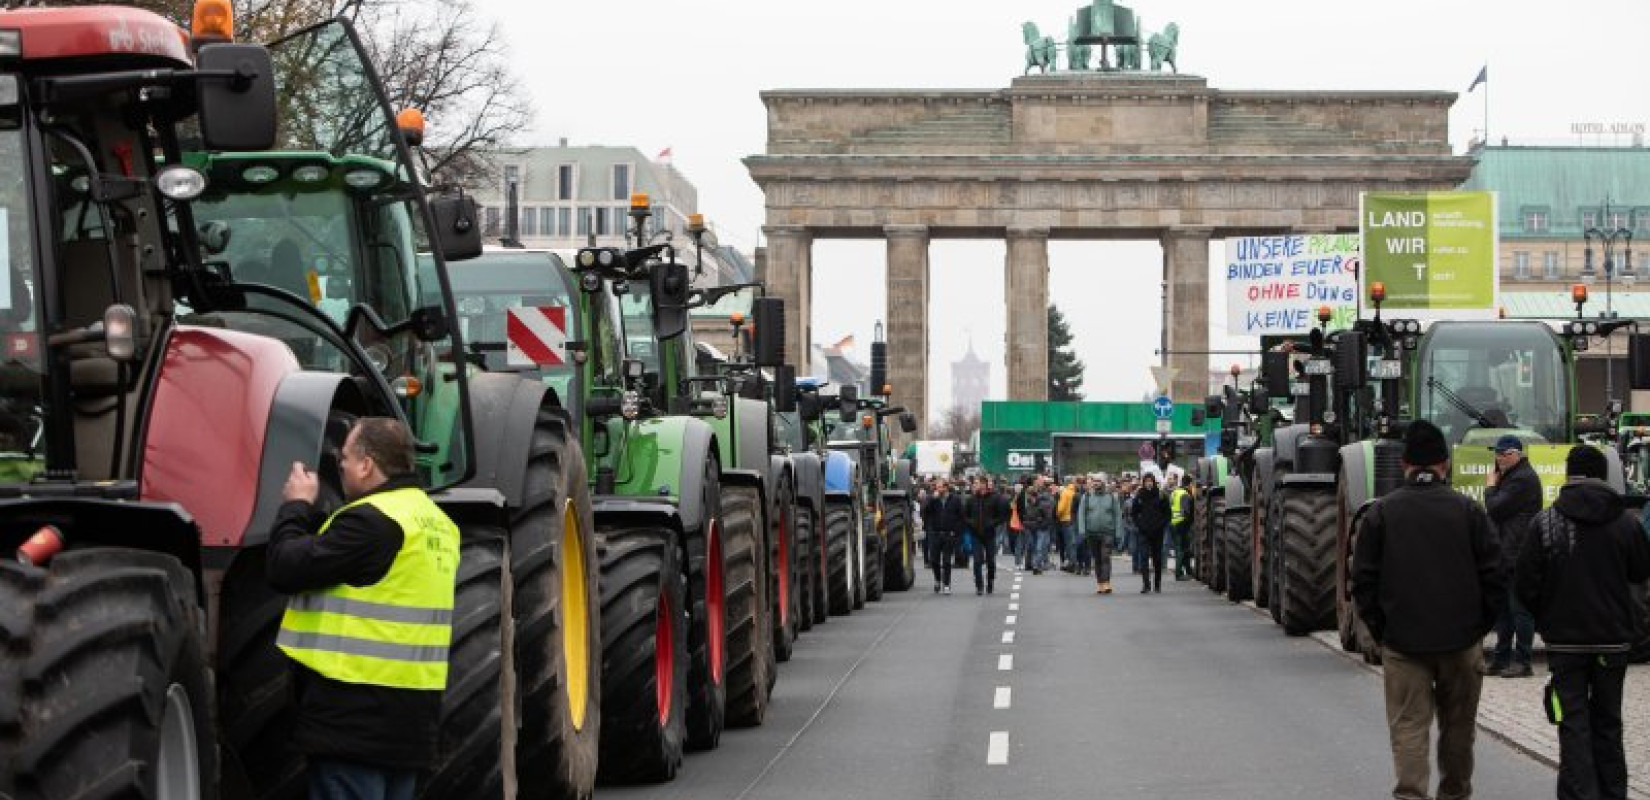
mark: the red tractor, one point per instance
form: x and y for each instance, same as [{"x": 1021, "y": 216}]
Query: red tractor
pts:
[{"x": 159, "y": 378}]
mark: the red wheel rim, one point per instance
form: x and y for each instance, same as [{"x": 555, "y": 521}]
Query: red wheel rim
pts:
[
  {"x": 664, "y": 658},
  {"x": 715, "y": 600},
  {"x": 784, "y": 569}
]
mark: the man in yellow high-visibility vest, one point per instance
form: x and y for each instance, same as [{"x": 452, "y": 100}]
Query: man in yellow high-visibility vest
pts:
[
  {"x": 370, "y": 617},
  {"x": 1180, "y": 526}
]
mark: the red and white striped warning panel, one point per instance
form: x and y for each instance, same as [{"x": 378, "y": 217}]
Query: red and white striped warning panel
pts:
[{"x": 537, "y": 336}]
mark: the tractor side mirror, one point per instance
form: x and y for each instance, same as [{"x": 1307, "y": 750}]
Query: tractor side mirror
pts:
[
  {"x": 1259, "y": 402},
  {"x": 848, "y": 403},
  {"x": 457, "y": 231},
  {"x": 671, "y": 285},
  {"x": 237, "y": 103},
  {"x": 1274, "y": 367},
  {"x": 768, "y": 314},
  {"x": 429, "y": 324},
  {"x": 908, "y": 422},
  {"x": 784, "y": 388},
  {"x": 809, "y": 407}
]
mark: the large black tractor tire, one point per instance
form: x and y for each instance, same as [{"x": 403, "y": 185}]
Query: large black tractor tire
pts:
[
  {"x": 644, "y": 655},
  {"x": 1260, "y": 572},
  {"x": 1199, "y": 538},
  {"x": 899, "y": 572},
  {"x": 1306, "y": 602},
  {"x": 806, "y": 573},
  {"x": 1237, "y": 559},
  {"x": 256, "y": 699},
  {"x": 104, "y": 686},
  {"x": 859, "y": 542},
  {"x": 750, "y": 629},
  {"x": 476, "y": 709},
  {"x": 1355, "y": 635},
  {"x": 707, "y": 581},
  {"x": 876, "y": 564},
  {"x": 554, "y": 604},
  {"x": 1215, "y": 566},
  {"x": 839, "y": 530},
  {"x": 819, "y": 555},
  {"x": 1274, "y": 556},
  {"x": 784, "y": 583}
]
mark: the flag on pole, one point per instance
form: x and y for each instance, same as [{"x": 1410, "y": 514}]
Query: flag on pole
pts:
[
  {"x": 664, "y": 156},
  {"x": 1483, "y": 77}
]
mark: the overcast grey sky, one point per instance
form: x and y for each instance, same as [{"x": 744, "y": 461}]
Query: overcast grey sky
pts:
[{"x": 664, "y": 73}]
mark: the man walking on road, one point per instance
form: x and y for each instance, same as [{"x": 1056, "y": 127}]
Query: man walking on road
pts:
[
  {"x": 1427, "y": 581},
  {"x": 1512, "y": 496},
  {"x": 369, "y": 620},
  {"x": 984, "y": 511},
  {"x": 1575, "y": 573},
  {"x": 1038, "y": 518},
  {"x": 1180, "y": 522},
  {"x": 1065, "y": 531},
  {"x": 945, "y": 514},
  {"x": 1099, "y": 516},
  {"x": 1151, "y": 520}
]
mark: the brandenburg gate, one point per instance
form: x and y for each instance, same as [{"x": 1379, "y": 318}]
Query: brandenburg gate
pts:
[{"x": 1077, "y": 155}]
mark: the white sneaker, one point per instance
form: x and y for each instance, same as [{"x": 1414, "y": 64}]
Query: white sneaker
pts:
[{"x": 947, "y": 590}]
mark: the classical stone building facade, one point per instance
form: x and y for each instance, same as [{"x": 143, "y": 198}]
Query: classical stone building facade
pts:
[{"x": 1079, "y": 156}]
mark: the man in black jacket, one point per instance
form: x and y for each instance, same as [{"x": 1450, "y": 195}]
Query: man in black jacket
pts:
[
  {"x": 1427, "y": 581},
  {"x": 1575, "y": 575},
  {"x": 984, "y": 511},
  {"x": 945, "y": 515},
  {"x": 1150, "y": 512},
  {"x": 372, "y": 588},
  {"x": 1512, "y": 496}
]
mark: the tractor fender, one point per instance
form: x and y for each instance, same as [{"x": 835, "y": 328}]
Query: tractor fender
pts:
[
  {"x": 810, "y": 480},
  {"x": 1236, "y": 497},
  {"x": 1265, "y": 461},
  {"x": 209, "y": 425},
  {"x": 1308, "y": 480},
  {"x": 750, "y": 436},
  {"x": 902, "y": 475},
  {"x": 472, "y": 508},
  {"x": 664, "y": 459},
  {"x": 297, "y": 432},
  {"x": 88, "y": 522},
  {"x": 1356, "y": 478},
  {"x": 1284, "y": 442},
  {"x": 503, "y": 408},
  {"x": 840, "y": 473}
]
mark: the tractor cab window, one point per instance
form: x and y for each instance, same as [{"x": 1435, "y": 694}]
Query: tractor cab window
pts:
[
  {"x": 487, "y": 288},
  {"x": 1510, "y": 375},
  {"x": 21, "y": 391},
  {"x": 636, "y": 306}
]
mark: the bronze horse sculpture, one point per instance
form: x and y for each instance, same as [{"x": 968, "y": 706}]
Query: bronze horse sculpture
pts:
[
  {"x": 1040, "y": 49},
  {"x": 1161, "y": 47}
]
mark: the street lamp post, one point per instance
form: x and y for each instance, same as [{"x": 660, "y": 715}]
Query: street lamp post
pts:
[{"x": 1607, "y": 238}]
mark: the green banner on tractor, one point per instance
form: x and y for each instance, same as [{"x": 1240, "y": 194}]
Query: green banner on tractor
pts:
[
  {"x": 1471, "y": 464},
  {"x": 1433, "y": 251}
]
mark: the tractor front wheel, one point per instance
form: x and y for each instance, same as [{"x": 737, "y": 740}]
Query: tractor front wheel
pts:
[{"x": 644, "y": 660}]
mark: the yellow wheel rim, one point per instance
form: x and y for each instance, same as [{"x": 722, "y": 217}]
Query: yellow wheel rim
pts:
[{"x": 575, "y": 616}]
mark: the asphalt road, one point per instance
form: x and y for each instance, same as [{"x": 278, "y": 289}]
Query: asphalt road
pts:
[{"x": 1174, "y": 696}]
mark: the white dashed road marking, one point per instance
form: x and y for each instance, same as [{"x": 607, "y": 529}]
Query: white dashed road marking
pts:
[
  {"x": 997, "y": 752},
  {"x": 1005, "y": 662},
  {"x": 1004, "y": 697},
  {"x": 1013, "y": 595},
  {"x": 1013, "y": 606},
  {"x": 1011, "y": 619},
  {"x": 1008, "y": 637}
]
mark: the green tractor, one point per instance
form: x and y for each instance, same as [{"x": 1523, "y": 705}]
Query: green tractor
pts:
[
  {"x": 870, "y": 536},
  {"x": 582, "y": 330},
  {"x": 1476, "y": 380}
]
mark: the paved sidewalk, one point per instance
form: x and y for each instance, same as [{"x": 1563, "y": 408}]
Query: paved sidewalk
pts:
[{"x": 1510, "y": 710}]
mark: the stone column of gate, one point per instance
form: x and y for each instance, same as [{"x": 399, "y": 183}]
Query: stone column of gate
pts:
[
  {"x": 788, "y": 273},
  {"x": 906, "y": 325},
  {"x": 1026, "y": 298},
  {"x": 1186, "y": 268}
]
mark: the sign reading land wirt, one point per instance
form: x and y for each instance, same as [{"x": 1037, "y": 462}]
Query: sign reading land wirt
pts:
[{"x": 1435, "y": 252}]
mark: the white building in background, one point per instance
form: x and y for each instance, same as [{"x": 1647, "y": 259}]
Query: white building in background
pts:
[{"x": 569, "y": 197}]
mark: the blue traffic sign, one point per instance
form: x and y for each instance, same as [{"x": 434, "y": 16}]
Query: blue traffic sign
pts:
[{"x": 1163, "y": 407}]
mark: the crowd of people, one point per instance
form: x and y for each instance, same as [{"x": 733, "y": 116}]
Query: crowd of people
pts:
[{"x": 1075, "y": 527}]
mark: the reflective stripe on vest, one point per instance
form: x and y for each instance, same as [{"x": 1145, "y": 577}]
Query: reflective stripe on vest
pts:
[
  {"x": 395, "y": 632},
  {"x": 1176, "y": 514}
]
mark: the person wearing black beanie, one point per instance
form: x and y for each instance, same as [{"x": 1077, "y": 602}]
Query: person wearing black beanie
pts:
[
  {"x": 1576, "y": 575},
  {"x": 1426, "y": 580}
]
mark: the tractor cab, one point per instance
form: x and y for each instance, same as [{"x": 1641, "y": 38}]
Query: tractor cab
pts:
[{"x": 1478, "y": 380}]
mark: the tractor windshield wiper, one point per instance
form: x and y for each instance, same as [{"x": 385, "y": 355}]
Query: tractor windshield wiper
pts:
[{"x": 1460, "y": 405}]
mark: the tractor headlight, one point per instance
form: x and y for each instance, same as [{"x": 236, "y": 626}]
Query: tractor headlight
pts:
[
  {"x": 364, "y": 179},
  {"x": 310, "y": 173},
  {"x": 1329, "y": 418},
  {"x": 630, "y": 406},
  {"x": 260, "y": 174},
  {"x": 180, "y": 183}
]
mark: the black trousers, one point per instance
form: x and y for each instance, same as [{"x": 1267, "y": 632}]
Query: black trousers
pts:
[
  {"x": 1591, "y": 762},
  {"x": 985, "y": 559},
  {"x": 1153, "y": 542},
  {"x": 944, "y": 550}
]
